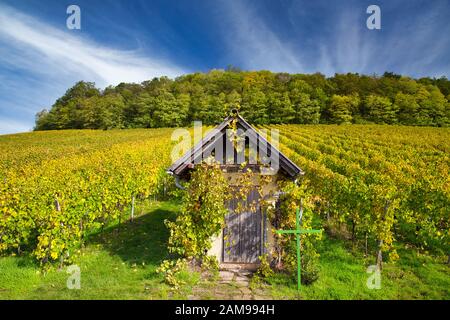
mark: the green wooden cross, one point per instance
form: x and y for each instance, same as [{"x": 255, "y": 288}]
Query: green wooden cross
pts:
[{"x": 297, "y": 233}]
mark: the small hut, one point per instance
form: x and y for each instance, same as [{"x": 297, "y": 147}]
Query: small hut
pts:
[{"x": 237, "y": 147}]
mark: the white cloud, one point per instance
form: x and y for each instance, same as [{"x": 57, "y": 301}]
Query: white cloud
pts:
[
  {"x": 39, "y": 62},
  {"x": 412, "y": 46},
  {"x": 253, "y": 44},
  {"x": 347, "y": 50},
  {"x": 69, "y": 53}
]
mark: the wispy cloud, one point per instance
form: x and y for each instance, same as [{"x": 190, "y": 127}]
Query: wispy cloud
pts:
[
  {"x": 415, "y": 45},
  {"x": 347, "y": 50},
  {"x": 253, "y": 44},
  {"x": 40, "y": 61},
  {"x": 333, "y": 38},
  {"x": 70, "y": 53}
]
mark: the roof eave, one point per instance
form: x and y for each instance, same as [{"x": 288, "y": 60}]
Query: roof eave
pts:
[{"x": 180, "y": 165}]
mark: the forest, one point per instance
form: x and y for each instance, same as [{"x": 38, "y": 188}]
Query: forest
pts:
[{"x": 262, "y": 97}]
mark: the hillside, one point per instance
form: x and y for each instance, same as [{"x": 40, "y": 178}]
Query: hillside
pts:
[
  {"x": 63, "y": 191},
  {"x": 354, "y": 170}
]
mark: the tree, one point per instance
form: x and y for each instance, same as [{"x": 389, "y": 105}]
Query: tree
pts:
[
  {"x": 43, "y": 121},
  {"x": 65, "y": 113},
  {"x": 210, "y": 109},
  {"x": 102, "y": 112},
  {"x": 438, "y": 109},
  {"x": 233, "y": 101},
  {"x": 391, "y": 75},
  {"x": 347, "y": 84},
  {"x": 381, "y": 109},
  {"x": 168, "y": 111},
  {"x": 109, "y": 112},
  {"x": 306, "y": 109},
  {"x": 199, "y": 101},
  {"x": 407, "y": 85},
  {"x": 139, "y": 113},
  {"x": 183, "y": 103},
  {"x": 447, "y": 110},
  {"x": 263, "y": 97},
  {"x": 280, "y": 108},
  {"x": 407, "y": 108},
  {"x": 341, "y": 108},
  {"x": 443, "y": 84},
  {"x": 431, "y": 105},
  {"x": 81, "y": 89},
  {"x": 254, "y": 106}
]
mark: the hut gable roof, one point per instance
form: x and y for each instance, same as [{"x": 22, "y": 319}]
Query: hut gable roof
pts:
[{"x": 209, "y": 142}]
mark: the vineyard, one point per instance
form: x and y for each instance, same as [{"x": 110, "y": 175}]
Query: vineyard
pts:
[
  {"x": 377, "y": 186},
  {"x": 380, "y": 184},
  {"x": 57, "y": 186}
]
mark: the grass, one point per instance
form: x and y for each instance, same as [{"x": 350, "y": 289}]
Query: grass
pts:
[
  {"x": 121, "y": 262},
  {"x": 118, "y": 263},
  {"x": 343, "y": 275}
]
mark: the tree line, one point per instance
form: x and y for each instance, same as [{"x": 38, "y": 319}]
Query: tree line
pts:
[{"x": 262, "y": 97}]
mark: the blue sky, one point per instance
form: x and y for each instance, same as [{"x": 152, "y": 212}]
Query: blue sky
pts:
[{"x": 133, "y": 40}]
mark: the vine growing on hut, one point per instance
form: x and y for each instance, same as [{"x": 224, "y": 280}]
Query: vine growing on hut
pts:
[{"x": 202, "y": 215}]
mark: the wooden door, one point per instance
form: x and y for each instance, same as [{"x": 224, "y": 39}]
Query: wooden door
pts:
[{"x": 242, "y": 239}]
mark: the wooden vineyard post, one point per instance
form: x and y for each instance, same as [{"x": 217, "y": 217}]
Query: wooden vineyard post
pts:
[{"x": 132, "y": 209}]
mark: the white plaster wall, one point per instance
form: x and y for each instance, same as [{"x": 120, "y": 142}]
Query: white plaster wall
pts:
[{"x": 216, "y": 246}]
